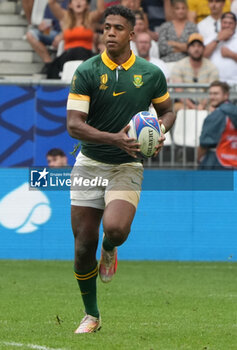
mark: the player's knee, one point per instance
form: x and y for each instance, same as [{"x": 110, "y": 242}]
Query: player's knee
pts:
[
  {"x": 85, "y": 243},
  {"x": 85, "y": 249},
  {"x": 116, "y": 234}
]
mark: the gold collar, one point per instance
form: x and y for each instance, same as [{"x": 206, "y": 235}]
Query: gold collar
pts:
[{"x": 112, "y": 65}]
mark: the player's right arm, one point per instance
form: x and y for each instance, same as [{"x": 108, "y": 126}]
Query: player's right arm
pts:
[{"x": 78, "y": 129}]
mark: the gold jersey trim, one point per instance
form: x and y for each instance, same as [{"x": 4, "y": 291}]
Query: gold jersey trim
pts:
[
  {"x": 72, "y": 96},
  {"x": 161, "y": 99}
]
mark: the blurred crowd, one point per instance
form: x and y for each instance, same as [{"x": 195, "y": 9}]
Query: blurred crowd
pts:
[{"x": 192, "y": 41}]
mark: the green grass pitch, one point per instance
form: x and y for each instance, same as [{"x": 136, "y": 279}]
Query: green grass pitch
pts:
[{"x": 148, "y": 306}]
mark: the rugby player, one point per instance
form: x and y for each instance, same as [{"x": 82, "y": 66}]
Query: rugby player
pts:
[{"x": 106, "y": 91}]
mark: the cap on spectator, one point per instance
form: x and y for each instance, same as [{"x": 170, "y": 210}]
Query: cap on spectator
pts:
[{"x": 195, "y": 37}]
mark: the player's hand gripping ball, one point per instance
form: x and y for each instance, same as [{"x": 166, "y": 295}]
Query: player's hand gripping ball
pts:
[{"x": 145, "y": 127}]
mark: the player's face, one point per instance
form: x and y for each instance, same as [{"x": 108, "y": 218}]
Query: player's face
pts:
[
  {"x": 216, "y": 6},
  {"x": 196, "y": 50},
  {"x": 217, "y": 96},
  {"x": 78, "y": 6},
  {"x": 180, "y": 11},
  {"x": 117, "y": 34},
  {"x": 56, "y": 161},
  {"x": 143, "y": 44}
]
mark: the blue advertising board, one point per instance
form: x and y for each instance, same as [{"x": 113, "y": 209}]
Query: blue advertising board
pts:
[
  {"x": 172, "y": 223},
  {"x": 32, "y": 121}
]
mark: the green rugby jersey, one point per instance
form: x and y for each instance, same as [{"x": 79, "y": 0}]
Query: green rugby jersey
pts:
[{"x": 115, "y": 94}]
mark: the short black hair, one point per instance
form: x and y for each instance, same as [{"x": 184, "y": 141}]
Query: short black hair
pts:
[
  {"x": 56, "y": 152},
  {"x": 224, "y": 86},
  {"x": 229, "y": 14},
  {"x": 121, "y": 11}
]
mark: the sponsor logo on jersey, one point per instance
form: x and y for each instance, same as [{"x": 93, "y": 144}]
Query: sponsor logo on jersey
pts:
[
  {"x": 103, "y": 81},
  {"x": 137, "y": 80}
]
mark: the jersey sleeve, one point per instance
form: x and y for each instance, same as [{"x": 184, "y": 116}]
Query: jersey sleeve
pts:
[
  {"x": 79, "y": 95},
  {"x": 160, "y": 87}
]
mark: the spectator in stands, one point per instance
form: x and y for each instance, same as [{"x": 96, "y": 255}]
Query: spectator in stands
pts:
[
  {"x": 233, "y": 7},
  {"x": 143, "y": 44},
  {"x": 173, "y": 35},
  {"x": 211, "y": 25},
  {"x": 218, "y": 140},
  {"x": 158, "y": 11},
  {"x": 135, "y": 5},
  {"x": 27, "y": 7},
  {"x": 99, "y": 44},
  {"x": 140, "y": 27},
  {"x": 222, "y": 51},
  {"x": 199, "y": 9},
  {"x": 46, "y": 34},
  {"x": 56, "y": 158},
  {"x": 194, "y": 69},
  {"x": 77, "y": 24},
  {"x": 108, "y": 3}
]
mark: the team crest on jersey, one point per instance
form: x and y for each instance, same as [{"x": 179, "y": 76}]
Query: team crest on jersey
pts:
[
  {"x": 103, "y": 81},
  {"x": 137, "y": 80}
]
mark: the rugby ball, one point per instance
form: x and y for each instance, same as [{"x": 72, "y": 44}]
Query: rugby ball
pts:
[{"x": 145, "y": 127}]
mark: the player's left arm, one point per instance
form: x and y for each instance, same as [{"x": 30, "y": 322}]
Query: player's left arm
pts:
[
  {"x": 166, "y": 120},
  {"x": 165, "y": 114}
]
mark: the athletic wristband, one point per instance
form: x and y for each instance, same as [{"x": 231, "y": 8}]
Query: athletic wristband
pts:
[{"x": 162, "y": 128}]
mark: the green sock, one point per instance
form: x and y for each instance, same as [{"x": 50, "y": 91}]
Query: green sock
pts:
[
  {"x": 87, "y": 285},
  {"x": 107, "y": 245}
]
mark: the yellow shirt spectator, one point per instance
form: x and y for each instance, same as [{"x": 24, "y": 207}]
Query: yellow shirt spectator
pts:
[{"x": 199, "y": 9}]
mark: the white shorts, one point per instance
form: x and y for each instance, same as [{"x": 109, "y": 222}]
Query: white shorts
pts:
[{"x": 95, "y": 184}]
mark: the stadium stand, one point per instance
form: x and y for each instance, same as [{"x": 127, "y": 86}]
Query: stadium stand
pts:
[
  {"x": 69, "y": 69},
  {"x": 17, "y": 58},
  {"x": 188, "y": 127}
]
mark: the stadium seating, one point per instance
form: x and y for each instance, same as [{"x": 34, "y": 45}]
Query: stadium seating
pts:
[
  {"x": 188, "y": 127},
  {"x": 17, "y": 59},
  {"x": 69, "y": 69}
]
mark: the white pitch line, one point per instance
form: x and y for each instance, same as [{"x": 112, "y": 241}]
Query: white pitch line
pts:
[{"x": 30, "y": 346}]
